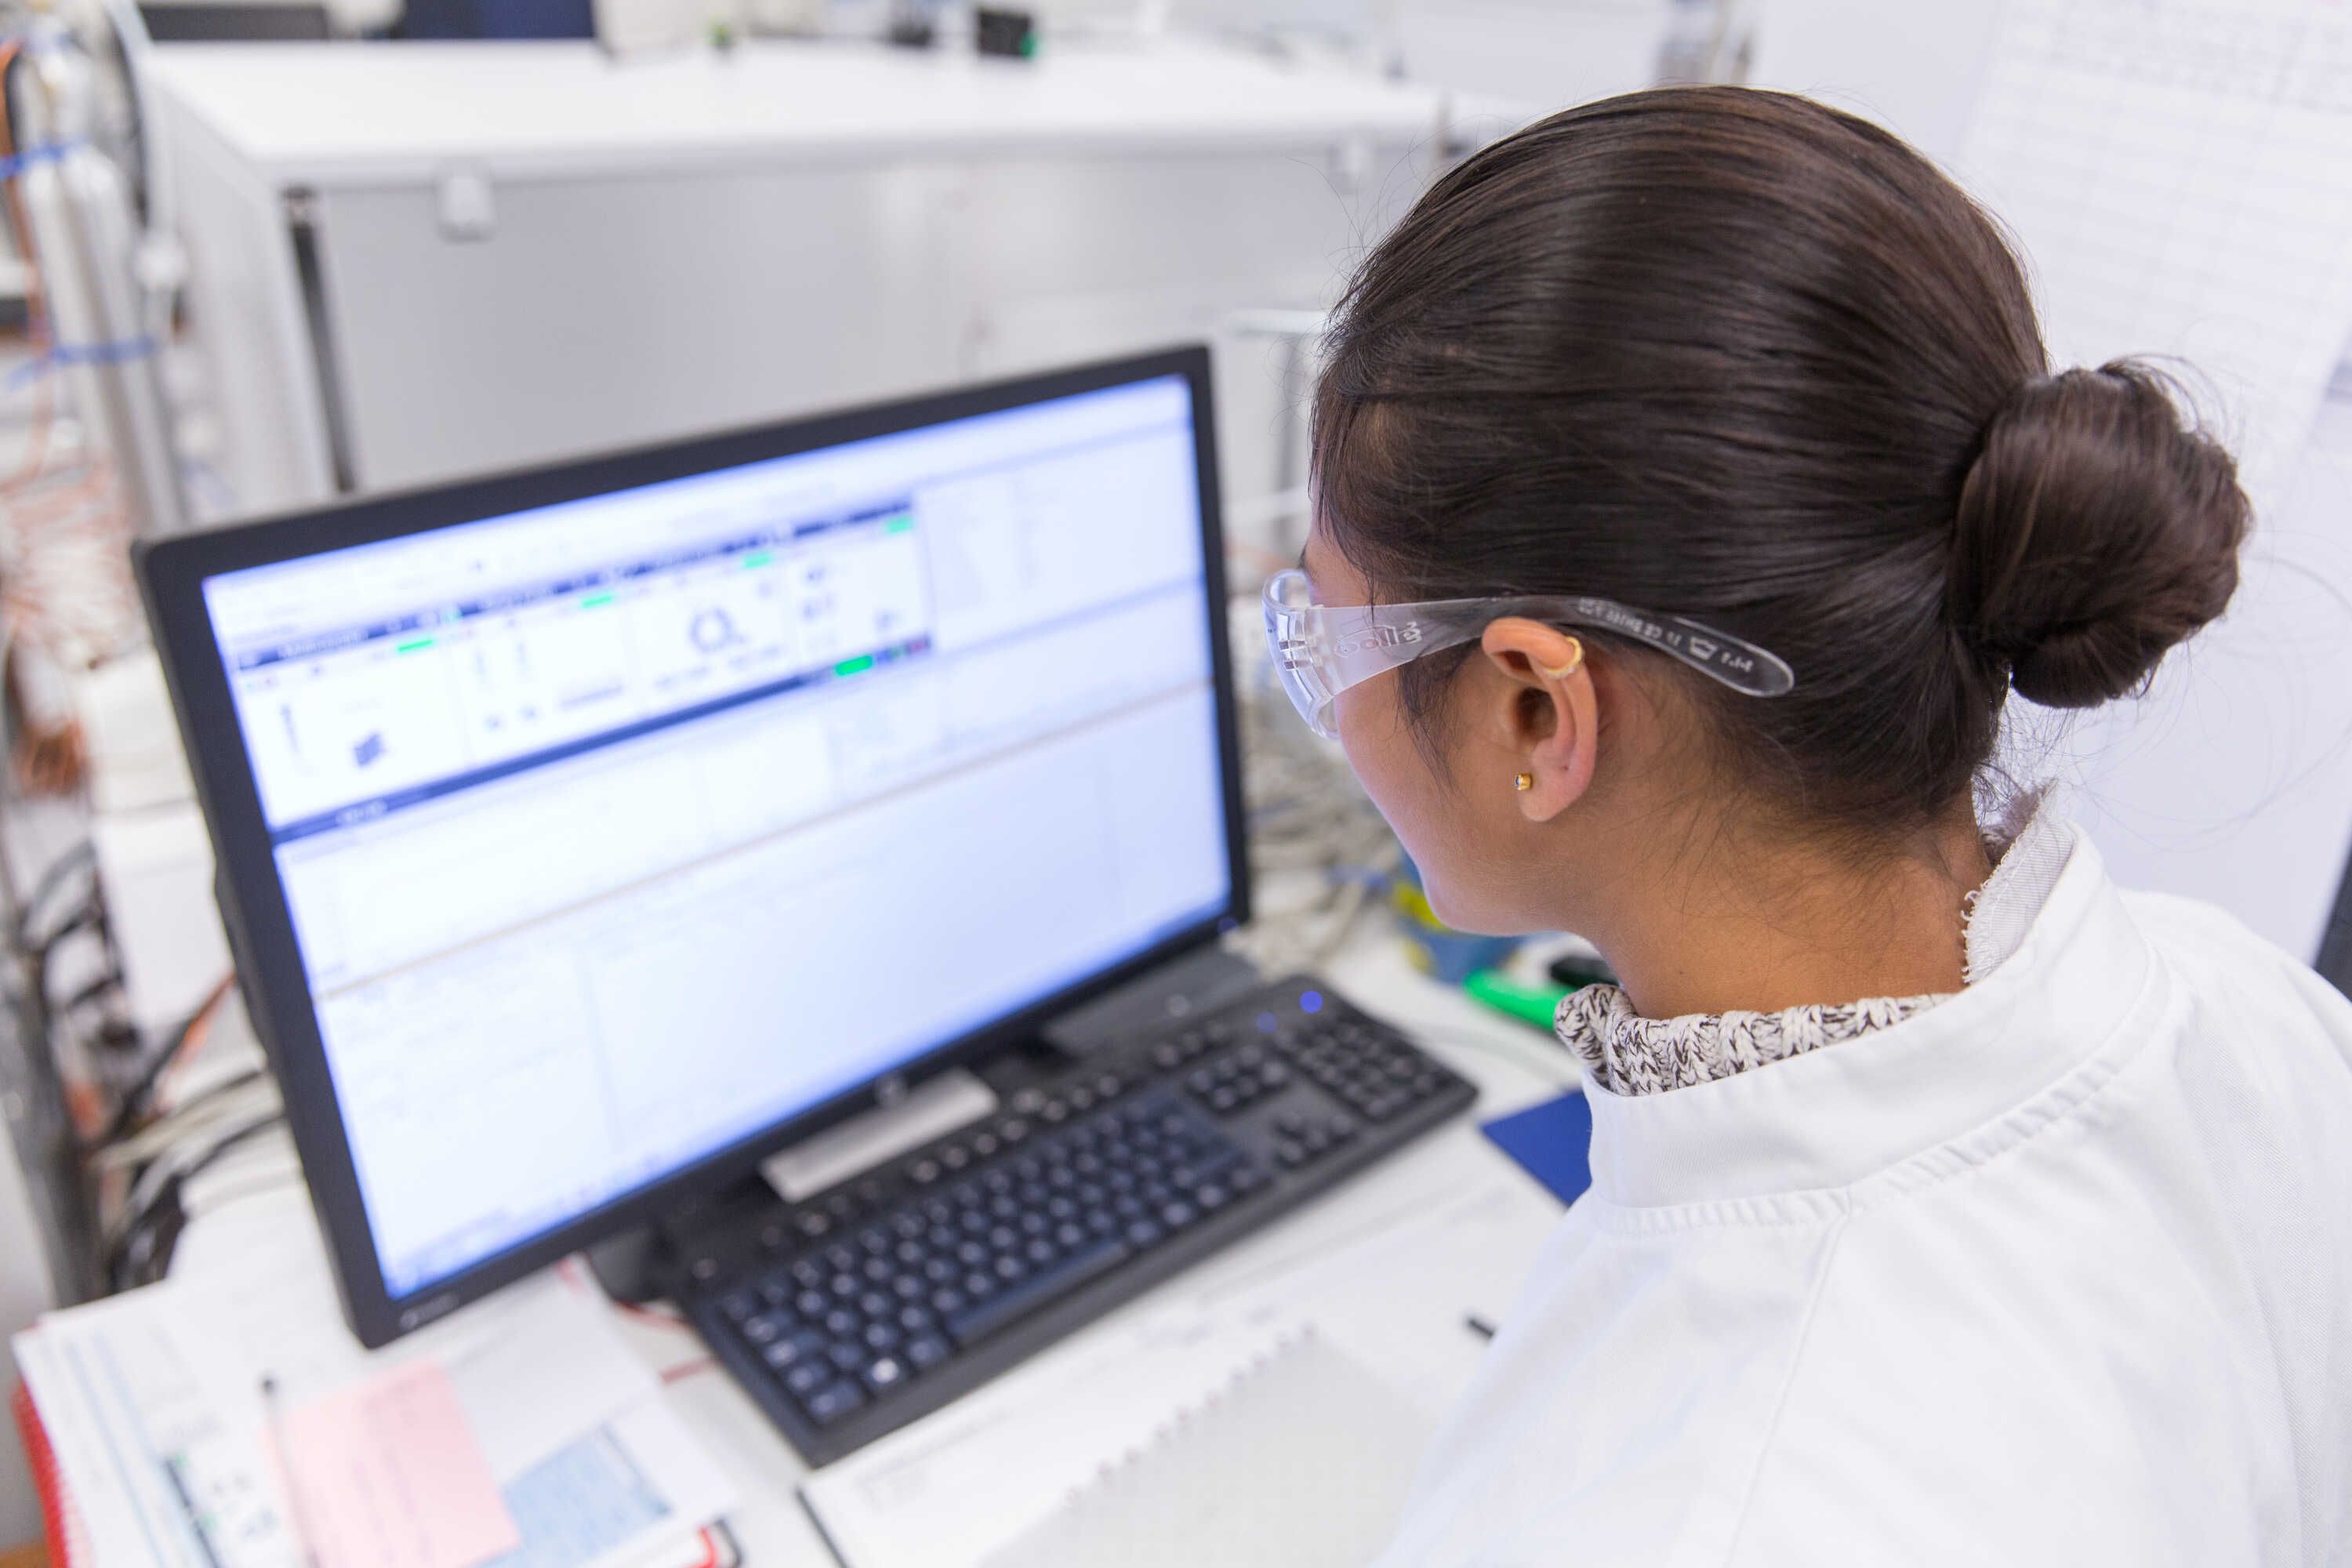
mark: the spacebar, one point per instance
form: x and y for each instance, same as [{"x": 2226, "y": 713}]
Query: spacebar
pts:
[{"x": 1015, "y": 1300}]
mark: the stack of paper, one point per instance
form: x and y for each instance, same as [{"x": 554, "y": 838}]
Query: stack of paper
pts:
[{"x": 521, "y": 1432}]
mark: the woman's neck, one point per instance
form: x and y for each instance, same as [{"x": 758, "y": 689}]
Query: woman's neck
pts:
[{"x": 1798, "y": 926}]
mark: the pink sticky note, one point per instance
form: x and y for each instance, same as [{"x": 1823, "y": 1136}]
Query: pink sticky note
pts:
[{"x": 386, "y": 1473}]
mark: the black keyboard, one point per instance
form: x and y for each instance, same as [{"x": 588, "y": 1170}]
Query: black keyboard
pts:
[{"x": 851, "y": 1314}]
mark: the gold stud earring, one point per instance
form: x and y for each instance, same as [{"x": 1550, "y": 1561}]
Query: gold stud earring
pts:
[
  {"x": 1524, "y": 782},
  {"x": 1575, "y": 662}
]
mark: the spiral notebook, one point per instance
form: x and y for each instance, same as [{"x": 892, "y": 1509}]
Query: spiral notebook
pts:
[
  {"x": 1299, "y": 1458},
  {"x": 1192, "y": 1437}
]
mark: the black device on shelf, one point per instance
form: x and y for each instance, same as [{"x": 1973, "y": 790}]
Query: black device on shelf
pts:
[
  {"x": 870, "y": 1305},
  {"x": 586, "y": 836}
]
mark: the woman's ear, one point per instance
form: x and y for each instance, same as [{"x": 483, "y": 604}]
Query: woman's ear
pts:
[{"x": 1550, "y": 716}]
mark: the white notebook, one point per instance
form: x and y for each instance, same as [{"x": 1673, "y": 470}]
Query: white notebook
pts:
[
  {"x": 1299, "y": 1458},
  {"x": 1229, "y": 1425}
]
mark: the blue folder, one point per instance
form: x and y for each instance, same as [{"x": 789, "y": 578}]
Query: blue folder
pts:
[{"x": 1552, "y": 1140}]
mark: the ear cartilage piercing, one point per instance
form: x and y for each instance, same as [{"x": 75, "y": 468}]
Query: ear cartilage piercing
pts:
[{"x": 1575, "y": 662}]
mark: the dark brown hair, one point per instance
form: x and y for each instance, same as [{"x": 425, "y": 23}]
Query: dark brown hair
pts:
[{"x": 1735, "y": 356}]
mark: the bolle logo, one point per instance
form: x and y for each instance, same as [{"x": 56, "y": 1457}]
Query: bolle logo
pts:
[
  {"x": 1702, "y": 647},
  {"x": 1379, "y": 637}
]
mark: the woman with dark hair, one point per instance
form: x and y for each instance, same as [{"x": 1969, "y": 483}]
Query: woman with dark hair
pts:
[{"x": 1692, "y": 491}]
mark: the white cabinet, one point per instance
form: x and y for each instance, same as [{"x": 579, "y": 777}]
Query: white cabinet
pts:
[{"x": 413, "y": 262}]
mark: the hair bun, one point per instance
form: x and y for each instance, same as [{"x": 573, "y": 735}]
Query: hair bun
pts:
[{"x": 2097, "y": 530}]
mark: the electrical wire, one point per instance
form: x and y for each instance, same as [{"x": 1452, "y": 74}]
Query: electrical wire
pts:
[
  {"x": 82, "y": 856},
  {"x": 249, "y": 1093},
  {"x": 140, "y": 1251},
  {"x": 182, "y": 1043}
]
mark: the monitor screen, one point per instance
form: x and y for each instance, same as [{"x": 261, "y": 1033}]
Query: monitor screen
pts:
[{"x": 617, "y": 831}]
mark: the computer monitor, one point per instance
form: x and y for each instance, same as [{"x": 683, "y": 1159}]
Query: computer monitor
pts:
[{"x": 588, "y": 834}]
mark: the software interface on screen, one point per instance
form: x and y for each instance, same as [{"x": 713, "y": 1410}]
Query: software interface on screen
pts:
[{"x": 615, "y": 831}]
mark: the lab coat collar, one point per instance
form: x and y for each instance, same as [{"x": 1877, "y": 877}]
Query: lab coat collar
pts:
[{"x": 1827, "y": 1120}]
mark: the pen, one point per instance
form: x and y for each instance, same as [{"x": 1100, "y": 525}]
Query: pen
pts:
[{"x": 294, "y": 1522}]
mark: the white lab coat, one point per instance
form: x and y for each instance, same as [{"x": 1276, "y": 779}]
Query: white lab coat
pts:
[{"x": 2058, "y": 1271}]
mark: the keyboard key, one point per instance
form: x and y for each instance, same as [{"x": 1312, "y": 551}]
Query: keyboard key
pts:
[
  {"x": 830, "y": 1403},
  {"x": 927, "y": 1351},
  {"x": 809, "y": 1376},
  {"x": 983, "y": 1318}
]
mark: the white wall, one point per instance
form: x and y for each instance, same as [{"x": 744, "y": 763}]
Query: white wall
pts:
[{"x": 1543, "y": 54}]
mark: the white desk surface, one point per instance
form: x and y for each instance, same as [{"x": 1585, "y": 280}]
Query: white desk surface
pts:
[
  {"x": 1419, "y": 1339},
  {"x": 333, "y": 114}
]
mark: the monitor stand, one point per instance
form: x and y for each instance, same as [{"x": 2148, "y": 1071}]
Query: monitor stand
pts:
[{"x": 626, "y": 1265}]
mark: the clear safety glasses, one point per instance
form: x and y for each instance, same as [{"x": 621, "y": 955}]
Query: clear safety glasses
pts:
[{"x": 1320, "y": 651}]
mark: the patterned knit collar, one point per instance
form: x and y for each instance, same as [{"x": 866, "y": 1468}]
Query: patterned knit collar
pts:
[{"x": 1627, "y": 1054}]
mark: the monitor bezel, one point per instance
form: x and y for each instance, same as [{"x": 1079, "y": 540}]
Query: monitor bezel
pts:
[{"x": 171, "y": 575}]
